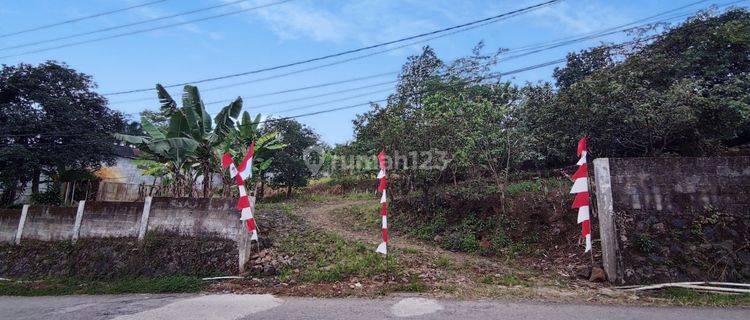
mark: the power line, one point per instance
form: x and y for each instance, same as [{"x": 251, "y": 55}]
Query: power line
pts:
[
  {"x": 535, "y": 47},
  {"x": 320, "y": 85},
  {"x": 495, "y": 75},
  {"x": 76, "y": 35},
  {"x": 276, "y": 103},
  {"x": 119, "y": 35},
  {"x": 79, "y": 19},
  {"x": 382, "y": 44}
]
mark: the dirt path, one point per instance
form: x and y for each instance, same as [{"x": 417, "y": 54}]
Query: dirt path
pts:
[
  {"x": 455, "y": 274},
  {"x": 323, "y": 217}
]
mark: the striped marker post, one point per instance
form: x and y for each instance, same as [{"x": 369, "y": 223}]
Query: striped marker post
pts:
[
  {"x": 383, "y": 247},
  {"x": 581, "y": 190}
]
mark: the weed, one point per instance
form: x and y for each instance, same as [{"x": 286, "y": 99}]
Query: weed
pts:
[
  {"x": 331, "y": 258},
  {"x": 67, "y": 286},
  {"x": 690, "y": 297},
  {"x": 444, "y": 262},
  {"x": 414, "y": 285}
]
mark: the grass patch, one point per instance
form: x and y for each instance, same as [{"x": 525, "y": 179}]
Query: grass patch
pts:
[
  {"x": 326, "y": 257},
  {"x": 683, "y": 296},
  {"x": 67, "y": 286},
  {"x": 444, "y": 262},
  {"x": 364, "y": 217},
  {"x": 414, "y": 285},
  {"x": 507, "y": 280}
]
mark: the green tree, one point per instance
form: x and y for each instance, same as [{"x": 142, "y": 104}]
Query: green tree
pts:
[
  {"x": 51, "y": 120},
  {"x": 288, "y": 168},
  {"x": 680, "y": 92}
]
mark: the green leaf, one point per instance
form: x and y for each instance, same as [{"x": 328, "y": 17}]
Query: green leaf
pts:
[
  {"x": 153, "y": 131},
  {"x": 178, "y": 126},
  {"x": 165, "y": 100},
  {"x": 131, "y": 139}
]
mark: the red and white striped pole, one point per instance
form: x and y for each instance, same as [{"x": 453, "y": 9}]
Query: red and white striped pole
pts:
[
  {"x": 581, "y": 190},
  {"x": 383, "y": 247},
  {"x": 246, "y": 204}
]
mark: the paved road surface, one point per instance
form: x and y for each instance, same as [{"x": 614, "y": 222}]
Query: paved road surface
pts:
[{"x": 227, "y": 306}]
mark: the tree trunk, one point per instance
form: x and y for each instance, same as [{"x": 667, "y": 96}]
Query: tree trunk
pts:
[
  {"x": 206, "y": 180},
  {"x": 289, "y": 191},
  {"x": 36, "y": 175},
  {"x": 262, "y": 190}
]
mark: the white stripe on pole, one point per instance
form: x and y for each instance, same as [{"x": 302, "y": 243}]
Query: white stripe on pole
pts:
[
  {"x": 385, "y": 222},
  {"x": 382, "y": 248},
  {"x": 583, "y": 214},
  {"x": 588, "y": 243},
  {"x": 381, "y": 174},
  {"x": 583, "y": 158},
  {"x": 580, "y": 185},
  {"x": 383, "y": 198}
]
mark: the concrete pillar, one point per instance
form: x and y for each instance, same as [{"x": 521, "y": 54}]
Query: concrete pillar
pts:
[
  {"x": 606, "y": 215},
  {"x": 143, "y": 226},
  {"x": 79, "y": 218},
  {"x": 21, "y": 222}
]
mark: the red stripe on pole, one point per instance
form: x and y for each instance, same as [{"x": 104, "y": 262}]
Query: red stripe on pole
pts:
[
  {"x": 385, "y": 235},
  {"x": 381, "y": 160},
  {"x": 243, "y": 203},
  {"x": 250, "y": 224},
  {"x": 226, "y": 160},
  {"x": 585, "y": 228},
  {"x": 383, "y": 209},
  {"x": 383, "y": 184},
  {"x": 582, "y": 172},
  {"x": 581, "y": 146},
  {"x": 248, "y": 156},
  {"x": 582, "y": 199}
]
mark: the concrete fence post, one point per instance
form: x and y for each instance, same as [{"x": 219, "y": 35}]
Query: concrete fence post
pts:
[
  {"x": 79, "y": 218},
  {"x": 21, "y": 222},
  {"x": 606, "y": 217},
  {"x": 143, "y": 226}
]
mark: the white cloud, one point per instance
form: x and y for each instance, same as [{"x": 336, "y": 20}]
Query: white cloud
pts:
[{"x": 579, "y": 16}]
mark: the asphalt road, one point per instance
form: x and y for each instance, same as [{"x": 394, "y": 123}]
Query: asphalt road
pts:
[{"x": 227, "y": 306}]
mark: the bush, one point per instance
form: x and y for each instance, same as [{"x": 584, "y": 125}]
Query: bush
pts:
[{"x": 51, "y": 197}]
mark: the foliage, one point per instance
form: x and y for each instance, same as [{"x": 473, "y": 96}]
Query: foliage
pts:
[
  {"x": 288, "y": 169},
  {"x": 51, "y": 197},
  {"x": 68, "y": 286},
  {"x": 682, "y": 92},
  {"x": 51, "y": 120},
  {"x": 185, "y": 143},
  {"x": 331, "y": 258}
]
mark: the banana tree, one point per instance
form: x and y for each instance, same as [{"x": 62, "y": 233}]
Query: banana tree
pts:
[
  {"x": 240, "y": 134},
  {"x": 198, "y": 126},
  {"x": 166, "y": 145}
]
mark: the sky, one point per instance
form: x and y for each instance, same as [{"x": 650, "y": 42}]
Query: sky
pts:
[{"x": 293, "y": 31}]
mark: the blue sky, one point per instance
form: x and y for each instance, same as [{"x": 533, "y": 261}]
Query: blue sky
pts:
[{"x": 294, "y": 31}]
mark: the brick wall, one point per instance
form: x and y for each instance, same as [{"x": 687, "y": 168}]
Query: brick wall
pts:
[{"x": 674, "y": 219}]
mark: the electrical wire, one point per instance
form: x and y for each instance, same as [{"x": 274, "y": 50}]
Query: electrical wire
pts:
[
  {"x": 100, "y": 14},
  {"x": 129, "y": 33},
  {"x": 526, "y": 50},
  {"x": 338, "y": 54}
]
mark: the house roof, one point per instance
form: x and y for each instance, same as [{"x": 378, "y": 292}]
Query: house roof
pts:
[{"x": 126, "y": 152}]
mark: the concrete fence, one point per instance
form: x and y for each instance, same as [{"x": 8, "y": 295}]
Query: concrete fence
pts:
[
  {"x": 103, "y": 219},
  {"x": 674, "y": 219}
]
